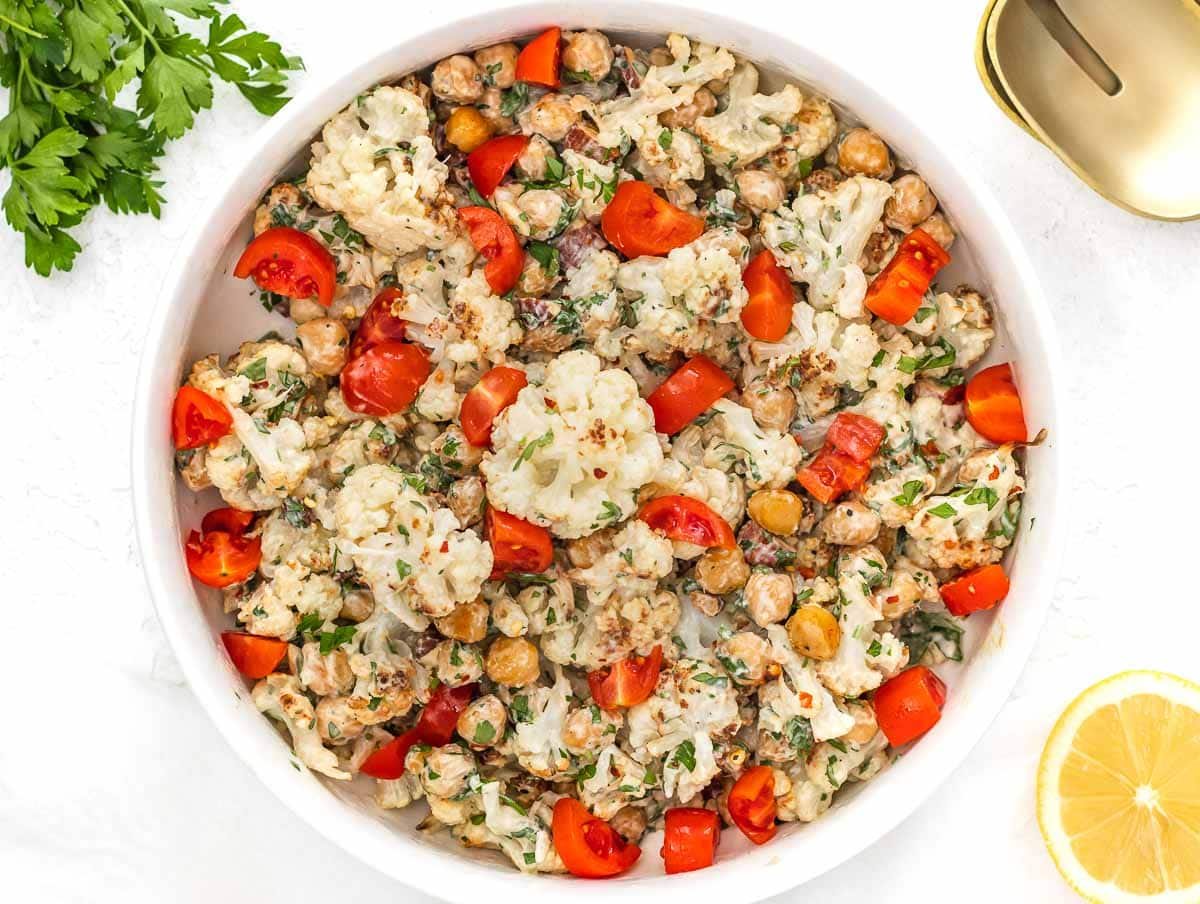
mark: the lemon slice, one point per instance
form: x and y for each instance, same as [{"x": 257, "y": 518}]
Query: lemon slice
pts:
[{"x": 1118, "y": 792}]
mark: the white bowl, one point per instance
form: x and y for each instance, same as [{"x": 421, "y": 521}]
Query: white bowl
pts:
[{"x": 204, "y": 310}]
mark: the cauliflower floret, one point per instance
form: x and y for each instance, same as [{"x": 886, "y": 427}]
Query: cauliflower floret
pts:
[
  {"x": 766, "y": 458},
  {"x": 539, "y": 717},
  {"x": 486, "y": 323},
  {"x": 798, "y": 693},
  {"x": 232, "y": 471},
  {"x": 398, "y": 793},
  {"x": 281, "y": 697},
  {"x": 638, "y": 559},
  {"x": 617, "y": 780},
  {"x": 572, "y": 453},
  {"x": 410, "y": 551},
  {"x": 669, "y": 160},
  {"x": 622, "y": 625},
  {"x": 724, "y": 493},
  {"x": 438, "y": 400},
  {"x": 278, "y": 450},
  {"x": 944, "y": 437},
  {"x": 589, "y": 182},
  {"x": 385, "y": 673},
  {"x": 821, "y": 237},
  {"x": 963, "y": 319},
  {"x": 749, "y": 126}
]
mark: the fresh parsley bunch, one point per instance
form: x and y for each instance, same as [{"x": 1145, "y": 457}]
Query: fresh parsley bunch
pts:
[{"x": 67, "y": 143}]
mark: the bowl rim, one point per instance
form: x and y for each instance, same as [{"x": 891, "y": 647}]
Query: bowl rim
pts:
[{"x": 756, "y": 873}]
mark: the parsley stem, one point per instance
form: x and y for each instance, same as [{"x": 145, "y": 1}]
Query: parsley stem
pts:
[
  {"x": 21, "y": 28},
  {"x": 138, "y": 22}
]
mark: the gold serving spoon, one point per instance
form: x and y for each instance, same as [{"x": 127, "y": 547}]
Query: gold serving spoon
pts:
[{"x": 1111, "y": 86}]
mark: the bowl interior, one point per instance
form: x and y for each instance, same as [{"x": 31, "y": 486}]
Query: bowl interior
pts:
[{"x": 207, "y": 310}]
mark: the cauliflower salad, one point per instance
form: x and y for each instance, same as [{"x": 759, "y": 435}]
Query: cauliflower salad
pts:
[{"x": 628, "y": 469}]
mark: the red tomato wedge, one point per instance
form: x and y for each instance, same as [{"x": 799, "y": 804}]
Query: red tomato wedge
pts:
[
  {"x": 832, "y": 473},
  {"x": 379, "y": 324},
  {"x": 384, "y": 379},
  {"x": 291, "y": 263},
  {"x": 975, "y": 590},
  {"x": 219, "y": 559},
  {"x": 253, "y": 656},
  {"x": 626, "y": 683},
  {"x": 232, "y": 521},
  {"x": 993, "y": 405},
  {"x": 589, "y": 846},
  {"x": 495, "y": 240},
  {"x": 690, "y": 839},
  {"x": 516, "y": 544},
  {"x": 896, "y": 293},
  {"x": 685, "y": 394},
  {"x": 495, "y": 391},
  {"x": 197, "y": 419},
  {"x": 688, "y": 519},
  {"x": 855, "y": 435},
  {"x": 637, "y": 222},
  {"x": 435, "y": 726},
  {"x": 489, "y": 163},
  {"x": 909, "y": 704},
  {"x": 752, "y": 804},
  {"x": 768, "y": 313},
  {"x": 538, "y": 61}
]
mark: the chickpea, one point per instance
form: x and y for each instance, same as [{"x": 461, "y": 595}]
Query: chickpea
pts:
[
  {"x": 482, "y": 723},
  {"x": 303, "y": 310},
  {"x": 467, "y": 129},
  {"x": 865, "y": 726},
  {"x": 910, "y": 203},
  {"x": 532, "y": 162},
  {"x": 489, "y": 109},
  {"x": 452, "y": 445},
  {"x": 467, "y": 623},
  {"x": 776, "y": 511},
  {"x": 465, "y": 499},
  {"x": 773, "y": 406},
  {"x": 324, "y": 342},
  {"x": 536, "y": 282},
  {"x": 588, "y": 729},
  {"x": 850, "y": 523},
  {"x": 752, "y": 651},
  {"x": 357, "y": 605},
  {"x": 768, "y": 597},
  {"x": 900, "y": 596},
  {"x": 821, "y": 180},
  {"x": 703, "y": 103},
  {"x": 630, "y": 823},
  {"x": 337, "y": 721},
  {"x": 861, "y": 153},
  {"x": 498, "y": 64},
  {"x": 457, "y": 79},
  {"x": 814, "y": 632},
  {"x": 722, "y": 570},
  {"x": 551, "y": 117},
  {"x": 878, "y": 250},
  {"x": 587, "y": 52},
  {"x": 457, "y": 663},
  {"x": 323, "y": 675},
  {"x": 705, "y": 603},
  {"x": 285, "y": 195},
  {"x": 660, "y": 56},
  {"x": 760, "y": 190},
  {"x": 541, "y": 210},
  {"x": 937, "y": 226},
  {"x": 413, "y": 84},
  {"x": 512, "y": 661}
]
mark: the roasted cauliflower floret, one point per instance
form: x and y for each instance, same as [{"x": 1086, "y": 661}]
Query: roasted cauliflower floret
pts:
[
  {"x": 765, "y": 458},
  {"x": 750, "y": 124},
  {"x": 281, "y": 697}
]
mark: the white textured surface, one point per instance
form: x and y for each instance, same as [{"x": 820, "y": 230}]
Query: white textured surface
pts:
[{"x": 113, "y": 785}]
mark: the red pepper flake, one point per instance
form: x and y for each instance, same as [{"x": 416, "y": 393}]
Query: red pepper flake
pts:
[
  {"x": 551, "y": 404},
  {"x": 599, "y": 473},
  {"x": 445, "y": 546}
]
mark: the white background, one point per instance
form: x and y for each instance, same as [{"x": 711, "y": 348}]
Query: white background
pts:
[{"x": 115, "y": 786}]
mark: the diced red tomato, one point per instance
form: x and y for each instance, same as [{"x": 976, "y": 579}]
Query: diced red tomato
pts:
[
  {"x": 685, "y": 394},
  {"x": 197, "y": 419},
  {"x": 975, "y": 590},
  {"x": 495, "y": 391},
  {"x": 384, "y": 379},
  {"x": 253, "y": 656},
  {"x": 435, "y": 726},
  {"x": 832, "y": 473},
  {"x": 993, "y": 405},
  {"x": 489, "y": 163},
  {"x": 637, "y": 222},
  {"x": 909, "y": 704},
  {"x": 379, "y": 324},
  {"x": 626, "y": 683},
  {"x": 690, "y": 839},
  {"x": 896, "y": 293},
  {"x": 856, "y": 435},
  {"x": 219, "y": 559},
  {"x": 688, "y": 519},
  {"x": 387, "y": 762},
  {"x": 291, "y": 263},
  {"x": 516, "y": 544},
  {"x": 752, "y": 804},
  {"x": 768, "y": 313},
  {"x": 588, "y": 846},
  {"x": 232, "y": 521},
  {"x": 495, "y": 240},
  {"x": 538, "y": 61}
]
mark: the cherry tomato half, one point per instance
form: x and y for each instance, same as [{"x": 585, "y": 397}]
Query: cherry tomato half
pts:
[
  {"x": 688, "y": 519},
  {"x": 589, "y": 846},
  {"x": 993, "y": 405},
  {"x": 219, "y": 559},
  {"x": 637, "y": 222},
  {"x": 435, "y": 726},
  {"x": 832, "y": 473},
  {"x": 975, "y": 590},
  {"x": 628, "y": 682},
  {"x": 768, "y": 313},
  {"x": 495, "y": 240},
  {"x": 289, "y": 262},
  {"x": 856, "y": 435},
  {"x": 197, "y": 419},
  {"x": 253, "y": 656},
  {"x": 495, "y": 391},
  {"x": 690, "y": 839},
  {"x": 516, "y": 544},
  {"x": 379, "y": 324},
  {"x": 538, "y": 61},
  {"x": 384, "y": 379},
  {"x": 686, "y": 394},
  {"x": 752, "y": 804},
  {"x": 896, "y": 293},
  {"x": 232, "y": 521},
  {"x": 909, "y": 704},
  {"x": 489, "y": 163}
]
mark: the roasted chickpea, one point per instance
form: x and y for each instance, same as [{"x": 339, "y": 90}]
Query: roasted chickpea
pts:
[
  {"x": 900, "y": 596},
  {"x": 302, "y": 310},
  {"x": 551, "y": 117},
  {"x": 814, "y": 632},
  {"x": 467, "y": 622},
  {"x": 768, "y": 597},
  {"x": 284, "y": 195},
  {"x": 821, "y": 180},
  {"x": 512, "y": 661},
  {"x": 862, "y": 153},
  {"x": 498, "y": 64},
  {"x": 911, "y": 203},
  {"x": 337, "y": 721},
  {"x": 630, "y": 823},
  {"x": 722, "y": 570},
  {"x": 457, "y": 79},
  {"x": 850, "y": 523},
  {"x": 467, "y": 129},
  {"x": 587, "y": 53},
  {"x": 705, "y": 603},
  {"x": 750, "y": 655},
  {"x": 489, "y": 109},
  {"x": 357, "y": 605},
  {"x": 939, "y": 230},
  {"x": 760, "y": 190},
  {"x": 865, "y": 726},
  {"x": 588, "y": 729},
  {"x": 413, "y": 84},
  {"x": 457, "y": 663},
  {"x": 465, "y": 499},
  {"x": 532, "y": 162},
  {"x": 452, "y": 445},
  {"x": 703, "y": 103},
  {"x": 773, "y": 406},
  {"x": 879, "y": 248},
  {"x": 324, "y": 675},
  {"x": 584, "y": 552},
  {"x": 482, "y": 723},
  {"x": 660, "y": 56},
  {"x": 776, "y": 511},
  {"x": 324, "y": 342},
  {"x": 541, "y": 209}
]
